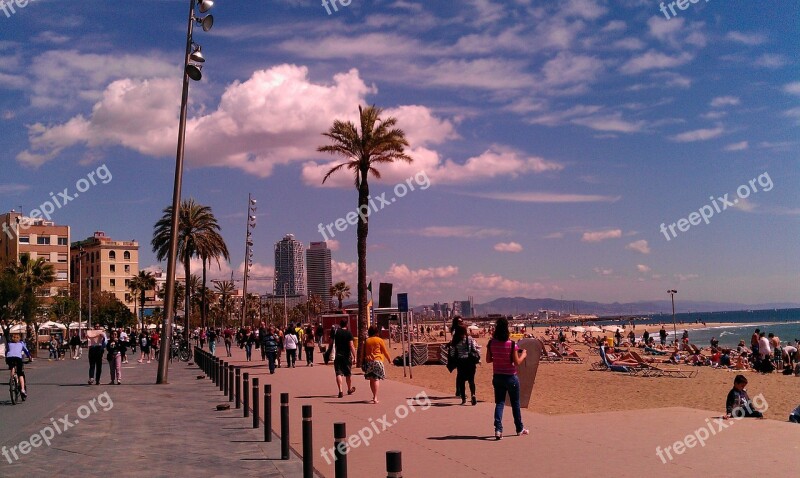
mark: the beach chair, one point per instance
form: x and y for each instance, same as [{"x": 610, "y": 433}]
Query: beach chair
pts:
[
  {"x": 547, "y": 357},
  {"x": 658, "y": 371},
  {"x": 605, "y": 365},
  {"x": 565, "y": 358}
]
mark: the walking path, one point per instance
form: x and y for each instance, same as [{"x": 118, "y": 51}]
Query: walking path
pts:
[
  {"x": 142, "y": 429},
  {"x": 437, "y": 433}
]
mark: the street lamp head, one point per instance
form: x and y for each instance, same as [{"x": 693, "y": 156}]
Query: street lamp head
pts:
[
  {"x": 197, "y": 54},
  {"x": 206, "y": 5},
  {"x": 194, "y": 72},
  {"x": 206, "y": 22}
]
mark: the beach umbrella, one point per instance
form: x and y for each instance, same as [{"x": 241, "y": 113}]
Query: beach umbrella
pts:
[
  {"x": 473, "y": 327},
  {"x": 612, "y": 328},
  {"x": 76, "y": 326},
  {"x": 578, "y": 329},
  {"x": 52, "y": 325},
  {"x": 18, "y": 329},
  {"x": 593, "y": 328}
]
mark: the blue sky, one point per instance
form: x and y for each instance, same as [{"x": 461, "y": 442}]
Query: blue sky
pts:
[{"x": 557, "y": 136}]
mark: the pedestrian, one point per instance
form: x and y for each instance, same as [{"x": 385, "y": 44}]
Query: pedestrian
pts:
[
  {"x": 298, "y": 331},
  {"x": 123, "y": 346},
  {"x": 290, "y": 341},
  {"x": 97, "y": 344},
  {"x": 279, "y": 334},
  {"x": 212, "y": 341},
  {"x": 75, "y": 346},
  {"x": 270, "y": 346},
  {"x": 133, "y": 338},
  {"x": 662, "y": 334},
  {"x": 374, "y": 354},
  {"x": 114, "y": 348},
  {"x": 154, "y": 345},
  {"x": 52, "y": 346},
  {"x": 202, "y": 338},
  {"x": 505, "y": 356},
  {"x": 263, "y": 331},
  {"x": 228, "y": 337},
  {"x": 345, "y": 357},
  {"x": 144, "y": 343},
  {"x": 467, "y": 356},
  {"x": 249, "y": 341},
  {"x": 632, "y": 338},
  {"x": 319, "y": 333},
  {"x": 738, "y": 403},
  {"x": 309, "y": 341}
]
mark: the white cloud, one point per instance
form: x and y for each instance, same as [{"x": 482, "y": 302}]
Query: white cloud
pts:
[
  {"x": 724, "y": 101},
  {"x": 603, "y": 272},
  {"x": 654, "y": 60},
  {"x": 540, "y": 197},
  {"x": 642, "y": 268},
  {"x": 508, "y": 247},
  {"x": 344, "y": 271},
  {"x": 740, "y": 146},
  {"x": 698, "y": 135},
  {"x": 750, "y": 39},
  {"x": 639, "y": 246},
  {"x": 488, "y": 283},
  {"x": 12, "y": 189},
  {"x": 333, "y": 244},
  {"x": 597, "y": 236},
  {"x": 405, "y": 275},
  {"x": 460, "y": 231},
  {"x": 792, "y": 88}
]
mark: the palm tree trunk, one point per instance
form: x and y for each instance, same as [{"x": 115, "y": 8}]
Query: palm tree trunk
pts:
[
  {"x": 203, "y": 315},
  {"x": 362, "y": 231},
  {"x": 187, "y": 296}
]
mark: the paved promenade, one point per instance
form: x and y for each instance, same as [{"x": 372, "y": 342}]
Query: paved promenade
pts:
[
  {"x": 437, "y": 433},
  {"x": 137, "y": 429}
]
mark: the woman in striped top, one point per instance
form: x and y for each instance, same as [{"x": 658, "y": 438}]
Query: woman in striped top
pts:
[{"x": 504, "y": 355}]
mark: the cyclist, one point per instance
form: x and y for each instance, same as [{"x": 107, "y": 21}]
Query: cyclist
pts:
[{"x": 14, "y": 351}]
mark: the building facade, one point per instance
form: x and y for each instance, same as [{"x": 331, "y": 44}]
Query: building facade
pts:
[
  {"x": 106, "y": 265},
  {"x": 39, "y": 238},
  {"x": 290, "y": 277},
  {"x": 318, "y": 268}
]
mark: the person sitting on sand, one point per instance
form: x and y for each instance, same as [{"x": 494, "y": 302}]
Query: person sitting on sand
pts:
[
  {"x": 738, "y": 403},
  {"x": 743, "y": 349},
  {"x": 566, "y": 351}
]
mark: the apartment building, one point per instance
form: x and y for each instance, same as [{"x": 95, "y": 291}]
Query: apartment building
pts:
[
  {"x": 38, "y": 237},
  {"x": 106, "y": 265}
]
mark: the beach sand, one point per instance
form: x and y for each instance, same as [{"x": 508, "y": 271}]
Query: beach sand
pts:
[{"x": 563, "y": 388}]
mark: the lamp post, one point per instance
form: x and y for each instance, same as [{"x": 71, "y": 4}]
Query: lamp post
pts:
[
  {"x": 81, "y": 254},
  {"x": 191, "y": 70},
  {"x": 672, "y": 293},
  {"x": 248, "y": 251}
]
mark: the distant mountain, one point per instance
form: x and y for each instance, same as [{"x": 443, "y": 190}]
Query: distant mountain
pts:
[{"x": 521, "y": 305}]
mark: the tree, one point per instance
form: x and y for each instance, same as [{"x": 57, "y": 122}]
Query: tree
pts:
[
  {"x": 225, "y": 289},
  {"x": 211, "y": 247},
  {"x": 138, "y": 287},
  {"x": 196, "y": 228},
  {"x": 109, "y": 311},
  {"x": 315, "y": 305},
  {"x": 378, "y": 142},
  {"x": 341, "y": 291},
  {"x": 32, "y": 274},
  {"x": 10, "y": 293},
  {"x": 64, "y": 309}
]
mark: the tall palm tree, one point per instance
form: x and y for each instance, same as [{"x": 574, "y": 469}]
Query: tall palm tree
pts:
[
  {"x": 377, "y": 142},
  {"x": 341, "y": 291},
  {"x": 212, "y": 247},
  {"x": 196, "y": 226},
  {"x": 225, "y": 289},
  {"x": 138, "y": 287},
  {"x": 31, "y": 274}
]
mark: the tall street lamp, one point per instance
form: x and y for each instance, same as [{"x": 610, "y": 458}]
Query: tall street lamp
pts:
[
  {"x": 192, "y": 67},
  {"x": 248, "y": 251},
  {"x": 672, "y": 293}
]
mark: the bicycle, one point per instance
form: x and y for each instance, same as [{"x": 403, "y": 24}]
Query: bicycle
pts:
[
  {"x": 14, "y": 388},
  {"x": 181, "y": 351}
]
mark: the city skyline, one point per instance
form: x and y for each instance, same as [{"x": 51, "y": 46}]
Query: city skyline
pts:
[{"x": 589, "y": 149}]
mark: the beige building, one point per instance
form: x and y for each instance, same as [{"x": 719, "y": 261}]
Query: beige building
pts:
[
  {"x": 109, "y": 265},
  {"x": 40, "y": 238}
]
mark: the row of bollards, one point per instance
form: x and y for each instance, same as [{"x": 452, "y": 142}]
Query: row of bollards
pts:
[{"x": 229, "y": 379}]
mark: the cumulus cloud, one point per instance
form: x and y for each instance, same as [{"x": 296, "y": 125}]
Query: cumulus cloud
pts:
[
  {"x": 460, "y": 231},
  {"x": 741, "y": 146},
  {"x": 597, "y": 236},
  {"x": 405, "y": 275},
  {"x": 642, "y": 268},
  {"x": 792, "y": 88},
  {"x": 499, "y": 284},
  {"x": 508, "y": 247},
  {"x": 725, "y": 101},
  {"x": 703, "y": 134},
  {"x": 639, "y": 246}
]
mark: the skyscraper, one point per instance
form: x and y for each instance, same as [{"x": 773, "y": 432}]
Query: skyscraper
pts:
[
  {"x": 290, "y": 272},
  {"x": 318, "y": 264}
]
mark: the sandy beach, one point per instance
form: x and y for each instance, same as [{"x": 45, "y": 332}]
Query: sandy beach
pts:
[{"x": 563, "y": 388}]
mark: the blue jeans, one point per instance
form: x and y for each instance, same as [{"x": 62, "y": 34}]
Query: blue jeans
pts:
[
  {"x": 506, "y": 384},
  {"x": 271, "y": 357},
  {"x": 248, "y": 350},
  {"x": 212, "y": 347}
]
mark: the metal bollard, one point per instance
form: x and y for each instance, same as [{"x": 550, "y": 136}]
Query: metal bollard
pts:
[
  {"x": 225, "y": 378},
  {"x": 340, "y": 450},
  {"x": 284, "y": 426},
  {"x": 230, "y": 383},
  {"x": 214, "y": 368},
  {"x": 221, "y": 374},
  {"x": 238, "y": 387},
  {"x": 246, "y": 386},
  {"x": 268, "y": 412},
  {"x": 255, "y": 402},
  {"x": 394, "y": 464},
  {"x": 308, "y": 443}
]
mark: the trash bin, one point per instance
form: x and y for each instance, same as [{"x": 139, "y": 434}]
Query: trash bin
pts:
[{"x": 610, "y": 341}]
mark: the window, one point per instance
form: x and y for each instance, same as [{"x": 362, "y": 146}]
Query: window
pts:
[
  {"x": 127, "y": 298},
  {"x": 43, "y": 240},
  {"x": 127, "y": 283},
  {"x": 127, "y": 269},
  {"x": 62, "y": 241},
  {"x": 112, "y": 255},
  {"x": 24, "y": 239},
  {"x": 126, "y": 256},
  {"x": 112, "y": 268},
  {"x": 62, "y": 258},
  {"x": 61, "y": 275},
  {"x": 113, "y": 282}
]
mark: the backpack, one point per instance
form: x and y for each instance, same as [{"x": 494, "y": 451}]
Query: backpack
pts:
[{"x": 144, "y": 341}]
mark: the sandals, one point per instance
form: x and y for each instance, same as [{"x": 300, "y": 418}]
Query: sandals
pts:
[{"x": 351, "y": 391}]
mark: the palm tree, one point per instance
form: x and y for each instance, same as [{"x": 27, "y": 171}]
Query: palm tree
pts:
[
  {"x": 196, "y": 228},
  {"x": 211, "y": 247},
  {"x": 341, "y": 291},
  {"x": 31, "y": 274},
  {"x": 225, "y": 289},
  {"x": 378, "y": 142},
  {"x": 138, "y": 287}
]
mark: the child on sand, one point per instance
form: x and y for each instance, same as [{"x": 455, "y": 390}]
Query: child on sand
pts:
[{"x": 738, "y": 403}]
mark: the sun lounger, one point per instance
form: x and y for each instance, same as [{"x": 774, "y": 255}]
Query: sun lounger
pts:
[
  {"x": 605, "y": 365},
  {"x": 565, "y": 358},
  {"x": 658, "y": 371}
]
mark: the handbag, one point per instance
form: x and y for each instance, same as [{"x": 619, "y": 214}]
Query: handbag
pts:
[{"x": 452, "y": 359}]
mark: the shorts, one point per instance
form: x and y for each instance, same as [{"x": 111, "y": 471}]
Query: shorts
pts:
[
  {"x": 374, "y": 370},
  {"x": 342, "y": 365},
  {"x": 146, "y": 349},
  {"x": 16, "y": 362}
]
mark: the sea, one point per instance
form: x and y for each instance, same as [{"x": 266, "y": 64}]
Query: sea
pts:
[{"x": 785, "y": 323}]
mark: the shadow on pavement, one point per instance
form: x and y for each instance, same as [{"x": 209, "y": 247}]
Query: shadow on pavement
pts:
[{"x": 463, "y": 437}]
